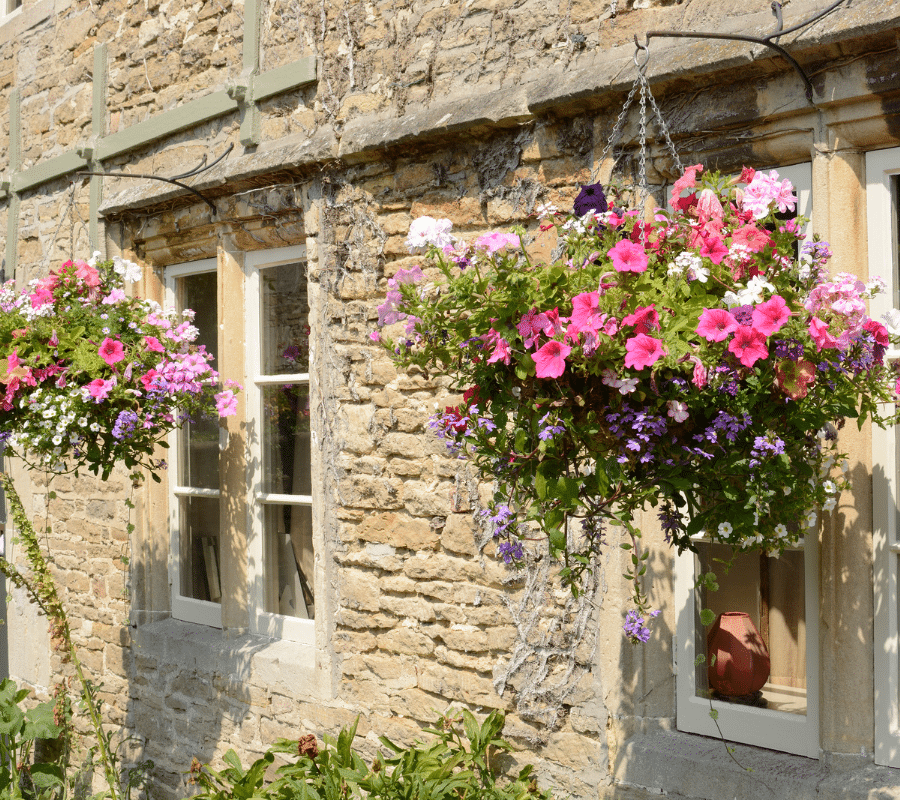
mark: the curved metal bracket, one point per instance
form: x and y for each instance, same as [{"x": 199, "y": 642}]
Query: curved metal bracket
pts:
[
  {"x": 764, "y": 40},
  {"x": 201, "y": 167}
]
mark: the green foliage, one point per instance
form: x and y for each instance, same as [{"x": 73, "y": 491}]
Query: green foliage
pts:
[
  {"x": 458, "y": 764},
  {"x": 19, "y": 730}
]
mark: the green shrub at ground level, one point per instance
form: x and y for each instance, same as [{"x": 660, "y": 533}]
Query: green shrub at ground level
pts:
[{"x": 458, "y": 764}]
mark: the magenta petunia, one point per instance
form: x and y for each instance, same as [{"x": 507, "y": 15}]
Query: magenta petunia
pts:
[
  {"x": 531, "y": 325},
  {"x": 628, "y": 257},
  {"x": 769, "y": 317},
  {"x": 714, "y": 249},
  {"x": 818, "y": 330},
  {"x": 644, "y": 318},
  {"x": 716, "y": 324},
  {"x": 154, "y": 345},
  {"x": 551, "y": 359},
  {"x": 748, "y": 345},
  {"x": 586, "y": 312},
  {"x": 111, "y": 351},
  {"x": 643, "y": 351}
]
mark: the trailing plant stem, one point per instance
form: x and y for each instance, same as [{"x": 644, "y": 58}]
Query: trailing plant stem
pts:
[{"x": 42, "y": 590}]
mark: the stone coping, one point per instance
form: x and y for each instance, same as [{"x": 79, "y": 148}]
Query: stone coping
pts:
[
  {"x": 600, "y": 77},
  {"x": 683, "y": 765}
]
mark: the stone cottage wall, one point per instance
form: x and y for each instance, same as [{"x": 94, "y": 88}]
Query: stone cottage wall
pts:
[{"x": 476, "y": 112}]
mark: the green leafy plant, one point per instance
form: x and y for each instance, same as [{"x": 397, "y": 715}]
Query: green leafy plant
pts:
[
  {"x": 458, "y": 764},
  {"x": 19, "y": 731}
]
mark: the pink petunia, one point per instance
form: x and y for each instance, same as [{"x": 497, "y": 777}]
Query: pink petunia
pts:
[
  {"x": 714, "y": 249},
  {"x": 643, "y": 319},
  {"x": 628, "y": 257},
  {"x": 686, "y": 181},
  {"x": 501, "y": 351},
  {"x": 748, "y": 345},
  {"x": 769, "y": 317},
  {"x": 585, "y": 312},
  {"x": 111, "y": 351},
  {"x": 99, "y": 389},
  {"x": 818, "y": 330},
  {"x": 699, "y": 377},
  {"x": 154, "y": 345},
  {"x": 551, "y": 359},
  {"x": 643, "y": 351},
  {"x": 716, "y": 324}
]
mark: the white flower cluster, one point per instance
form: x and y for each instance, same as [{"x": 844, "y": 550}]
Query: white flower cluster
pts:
[
  {"x": 61, "y": 427},
  {"x": 752, "y": 294}
]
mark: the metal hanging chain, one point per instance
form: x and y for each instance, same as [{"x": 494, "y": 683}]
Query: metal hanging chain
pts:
[{"x": 645, "y": 96}]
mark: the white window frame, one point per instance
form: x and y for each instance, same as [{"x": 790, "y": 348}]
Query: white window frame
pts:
[
  {"x": 188, "y": 609},
  {"x": 776, "y": 730},
  {"x": 9, "y": 9},
  {"x": 882, "y": 175},
  {"x": 264, "y": 622}
]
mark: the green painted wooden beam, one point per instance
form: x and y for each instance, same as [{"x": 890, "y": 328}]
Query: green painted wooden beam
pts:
[
  {"x": 15, "y": 162},
  {"x": 283, "y": 79},
  {"x": 98, "y": 131}
]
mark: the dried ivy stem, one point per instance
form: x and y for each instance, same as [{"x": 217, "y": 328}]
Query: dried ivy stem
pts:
[{"x": 41, "y": 590}]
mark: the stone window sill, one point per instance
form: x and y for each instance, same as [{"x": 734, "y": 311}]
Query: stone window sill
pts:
[
  {"x": 284, "y": 667},
  {"x": 685, "y": 765}
]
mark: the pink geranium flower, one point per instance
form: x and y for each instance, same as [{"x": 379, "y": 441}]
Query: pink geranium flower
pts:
[
  {"x": 748, "y": 345},
  {"x": 751, "y": 237},
  {"x": 643, "y": 319},
  {"x": 111, "y": 351},
  {"x": 628, "y": 257},
  {"x": 769, "y": 317},
  {"x": 87, "y": 273},
  {"x": 643, "y": 351},
  {"x": 497, "y": 242},
  {"x": 531, "y": 325},
  {"x": 716, "y": 324},
  {"x": 226, "y": 403},
  {"x": 551, "y": 359}
]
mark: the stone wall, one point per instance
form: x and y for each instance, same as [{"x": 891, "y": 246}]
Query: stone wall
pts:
[{"x": 477, "y": 112}]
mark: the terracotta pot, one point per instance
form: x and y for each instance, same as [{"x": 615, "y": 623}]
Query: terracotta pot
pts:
[{"x": 741, "y": 663}]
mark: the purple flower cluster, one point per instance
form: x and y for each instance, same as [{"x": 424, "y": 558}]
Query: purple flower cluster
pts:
[
  {"x": 789, "y": 348},
  {"x": 548, "y": 429},
  {"x": 126, "y": 422},
  {"x": 764, "y": 448},
  {"x": 639, "y": 430},
  {"x": 669, "y": 520},
  {"x": 510, "y": 552},
  {"x": 634, "y": 626}
]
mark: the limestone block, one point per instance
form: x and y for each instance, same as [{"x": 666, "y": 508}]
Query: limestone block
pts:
[
  {"x": 457, "y": 684},
  {"x": 458, "y": 534},
  {"x": 426, "y": 500},
  {"x": 361, "y": 621},
  {"x": 365, "y": 491},
  {"x": 406, "y": 641},
  {"x": 398, "y": 530},
  {"x": 466, "y": 638},
  {"x": 359, "y": 590},
  {"x": 356, "y": 428},
  {"x": 408, "y": 607},
  {"x": 353, "y": 641}
]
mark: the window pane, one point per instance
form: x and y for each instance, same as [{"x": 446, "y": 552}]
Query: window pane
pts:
[
  {"x": 772, "y": 592},
  {"x": 286, "y": 439},
  {"x": 199, "y": 439},
  {"x": 288, "y": 560},
  {"x": 199, "y": 534},
  {"x": 285, "y": 319}
]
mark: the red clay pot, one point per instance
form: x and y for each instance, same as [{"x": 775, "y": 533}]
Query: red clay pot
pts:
[{"x": 741, "y": 664}]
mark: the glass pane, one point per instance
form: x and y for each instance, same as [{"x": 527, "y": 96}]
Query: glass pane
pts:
[
  {"x": 772, "y": 592},
  {"x": 199, "y": 439},
  {"x": 288, "y": 560},
  {"x": 199, "y": 534},
  {"x": 286, "y": 444},
  {"x": 285, "y": 319}
]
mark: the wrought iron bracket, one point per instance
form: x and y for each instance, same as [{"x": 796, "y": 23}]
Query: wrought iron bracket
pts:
[
  {"x": 763, "y": 40},
  {"x": 176, "y": 180}
]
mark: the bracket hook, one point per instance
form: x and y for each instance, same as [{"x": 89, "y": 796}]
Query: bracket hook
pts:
[{"x": 642, "y": 65}]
